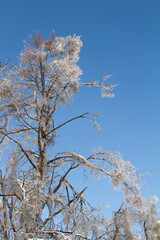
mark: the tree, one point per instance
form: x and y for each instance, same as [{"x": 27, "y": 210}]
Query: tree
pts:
[{"x": 34, "y": 178}]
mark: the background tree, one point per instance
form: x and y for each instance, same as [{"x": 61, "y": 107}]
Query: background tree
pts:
[{"x": 37, "y": 196}]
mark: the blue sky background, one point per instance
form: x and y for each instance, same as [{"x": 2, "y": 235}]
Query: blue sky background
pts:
[{"x": 121, "y": 38}]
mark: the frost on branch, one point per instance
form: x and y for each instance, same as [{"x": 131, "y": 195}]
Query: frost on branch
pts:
[
  {"x": 103, "y": 84},
  {"x": 38, "y": 198},
  {"x": 57, "y": 60}
]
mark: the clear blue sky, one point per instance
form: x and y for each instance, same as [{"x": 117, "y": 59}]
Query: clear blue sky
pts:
[{"x": 121, "y": 38}]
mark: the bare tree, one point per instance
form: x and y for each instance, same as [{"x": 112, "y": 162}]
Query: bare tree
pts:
[{"x": 37, "y": 198}]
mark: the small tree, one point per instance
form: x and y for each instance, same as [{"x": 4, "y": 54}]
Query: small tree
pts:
[{"x": 35, "y": 179}]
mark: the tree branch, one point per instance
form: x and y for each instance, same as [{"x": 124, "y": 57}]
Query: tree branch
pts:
[
  {"x": 72, "y": 119},
  {"x": 20, "y": 148},
  {"x": 62, "y": 179},
  {"x": 61, "y": 209}
]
